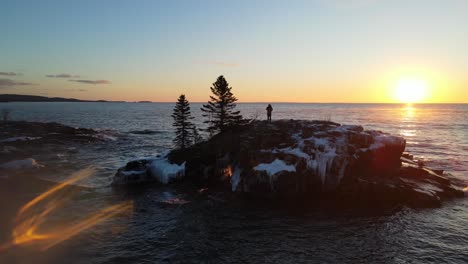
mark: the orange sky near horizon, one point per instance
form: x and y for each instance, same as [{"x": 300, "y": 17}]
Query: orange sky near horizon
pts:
[
  {"x": 379, "y": 88},
  {"x": 336, "y": 51}
]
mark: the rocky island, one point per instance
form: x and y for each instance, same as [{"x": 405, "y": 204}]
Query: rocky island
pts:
[{"x": 309, "y": 160}]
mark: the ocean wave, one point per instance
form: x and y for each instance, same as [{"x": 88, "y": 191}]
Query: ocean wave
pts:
[{"x": 108, "y": 135}]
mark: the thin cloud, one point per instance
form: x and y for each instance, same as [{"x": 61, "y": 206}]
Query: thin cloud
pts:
[
  {"x": 5, "y": 83},
  {"x": 92, "y": 81},
  {"x": 62, "y": 75},
  {"x": 76, "y": 90},
  {"x": 8, "y": 73}
]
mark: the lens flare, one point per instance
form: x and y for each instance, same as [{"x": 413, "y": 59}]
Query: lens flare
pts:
[{"x": 33, "y": 215}]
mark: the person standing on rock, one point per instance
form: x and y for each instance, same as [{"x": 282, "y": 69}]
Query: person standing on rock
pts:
[{"x": 269, "y": 110}]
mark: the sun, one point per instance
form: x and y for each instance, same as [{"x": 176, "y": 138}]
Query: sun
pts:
[{"x": 411, "y": 90}]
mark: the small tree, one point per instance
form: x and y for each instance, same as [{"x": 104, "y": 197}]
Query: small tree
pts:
[
  {"x": 220, "y": 109},
  {"x": 197, "y": 138},
  {"x": 182, "y": 123}
]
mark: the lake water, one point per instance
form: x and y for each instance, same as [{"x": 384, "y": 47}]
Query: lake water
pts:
[{"x": 208, "y": 231}]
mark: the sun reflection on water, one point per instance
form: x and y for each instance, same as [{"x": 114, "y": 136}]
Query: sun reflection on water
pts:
[{"x": 408, "y": 117}]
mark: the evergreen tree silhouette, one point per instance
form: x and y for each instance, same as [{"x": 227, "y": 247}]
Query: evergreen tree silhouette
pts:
[
  {"x": 197, "y": 138},
  {"x": 220, "y": 109},
  {"x": 182, "y": 123}
]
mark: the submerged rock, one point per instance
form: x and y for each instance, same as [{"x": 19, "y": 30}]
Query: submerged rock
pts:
[
  {"x": 294, "y": 158},
  {"x": 133, "y": 173}
]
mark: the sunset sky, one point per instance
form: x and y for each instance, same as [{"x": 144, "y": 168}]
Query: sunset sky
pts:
[{"x": 269, "y": 51}]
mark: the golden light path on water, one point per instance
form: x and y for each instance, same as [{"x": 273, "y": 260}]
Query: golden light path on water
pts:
[
  {"x": 407, "y": 118},
  {"x": 33, "y": 215}
]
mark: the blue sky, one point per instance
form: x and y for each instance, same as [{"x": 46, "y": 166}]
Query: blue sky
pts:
[{"x": 320, "y": 51}]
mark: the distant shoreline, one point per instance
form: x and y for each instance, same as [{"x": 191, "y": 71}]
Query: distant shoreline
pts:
[
  {"x": 13, "y": 98},
  {"x": 7, "y": 98}
]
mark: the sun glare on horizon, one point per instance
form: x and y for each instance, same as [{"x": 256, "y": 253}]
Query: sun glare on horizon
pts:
[{"x": 411, "y": 90}]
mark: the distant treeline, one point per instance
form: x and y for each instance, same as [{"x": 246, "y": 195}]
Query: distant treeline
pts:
[{"x": 35, "y": 98}]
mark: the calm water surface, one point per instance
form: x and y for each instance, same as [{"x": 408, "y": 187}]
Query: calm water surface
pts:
[{"x": 210, "y": 230}]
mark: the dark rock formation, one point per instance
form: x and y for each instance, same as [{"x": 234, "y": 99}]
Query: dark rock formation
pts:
[
  {"x": 25, "y": 131},
  {"x": 21, "y": 140},
  {"x": 291, "y": 159}
]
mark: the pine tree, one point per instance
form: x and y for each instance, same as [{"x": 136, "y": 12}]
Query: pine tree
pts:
[
  {"x": 197, "y": 138},
  {"x": 182, "y": 123},
  {"x": 220, "y": 109}
]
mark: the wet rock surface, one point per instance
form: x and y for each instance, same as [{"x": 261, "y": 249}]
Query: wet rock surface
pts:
[{"x": 316, "y": 159}]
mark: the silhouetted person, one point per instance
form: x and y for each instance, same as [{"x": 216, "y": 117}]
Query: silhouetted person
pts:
[{"x": 269, "y": 110}]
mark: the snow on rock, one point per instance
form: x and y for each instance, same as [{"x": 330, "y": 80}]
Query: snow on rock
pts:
[
  {"x": 298, "y": 157},
  {"x": 274, "y": 167},
  {"x": 318, "y": 149},
  {"x": 21, "y": 164},
  {"x": 13, "y": 139},
  {"x": 164, "y": 171},
  {"x": 296, "y": 152}
]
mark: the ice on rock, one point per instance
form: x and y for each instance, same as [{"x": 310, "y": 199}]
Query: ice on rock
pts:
[
  {"x": 312, "y": 164},
  {"x": 296, "y": 152},
  {"x": 165, "y": 171},
  {"x": 321, "y": 142},
  {"x": 274, "y": 167},
  {"x": 324, "y": 162},
  {"x": 235, "y": 179}
]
